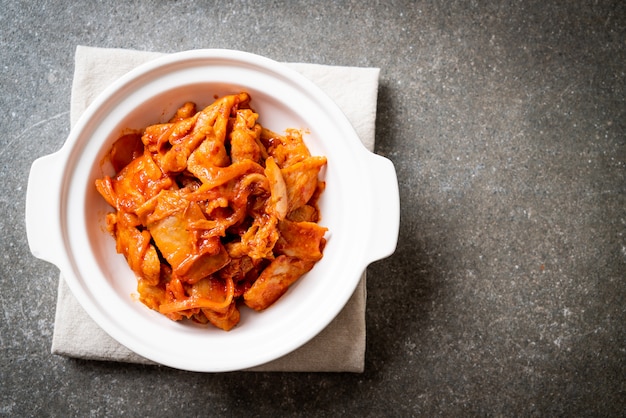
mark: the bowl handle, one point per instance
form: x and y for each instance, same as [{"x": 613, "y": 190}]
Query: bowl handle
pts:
[
  {"x": 385, "y": 208},
  {"x": 43, "y": 218}
]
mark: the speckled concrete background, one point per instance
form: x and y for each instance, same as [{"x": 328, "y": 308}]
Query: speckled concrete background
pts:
[{"x": 507, "y": 125}]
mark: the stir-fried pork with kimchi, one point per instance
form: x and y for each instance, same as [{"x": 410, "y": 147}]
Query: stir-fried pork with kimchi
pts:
[{"x": 213, "y": 211}]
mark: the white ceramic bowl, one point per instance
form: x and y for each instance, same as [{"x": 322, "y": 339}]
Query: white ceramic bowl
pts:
[{"x": 65, "y": 214}]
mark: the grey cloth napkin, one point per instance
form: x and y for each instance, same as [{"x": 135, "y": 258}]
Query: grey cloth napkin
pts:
[{"x": 340, "y": 347}]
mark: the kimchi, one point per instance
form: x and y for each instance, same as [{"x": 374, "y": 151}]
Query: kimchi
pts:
[{"x": 212, "y": 211}]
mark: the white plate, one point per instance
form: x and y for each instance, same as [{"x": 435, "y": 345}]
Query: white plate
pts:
[{"x": 65, "y": 214}]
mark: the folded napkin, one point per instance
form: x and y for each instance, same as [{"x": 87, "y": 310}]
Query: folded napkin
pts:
[{"x": 341, "y": 345}]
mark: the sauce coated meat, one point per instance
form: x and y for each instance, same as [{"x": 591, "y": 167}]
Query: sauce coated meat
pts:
[{"x": 213, "y": 211}]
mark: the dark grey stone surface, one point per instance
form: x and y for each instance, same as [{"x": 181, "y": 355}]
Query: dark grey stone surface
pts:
[{"x": 507, "y": 125}]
